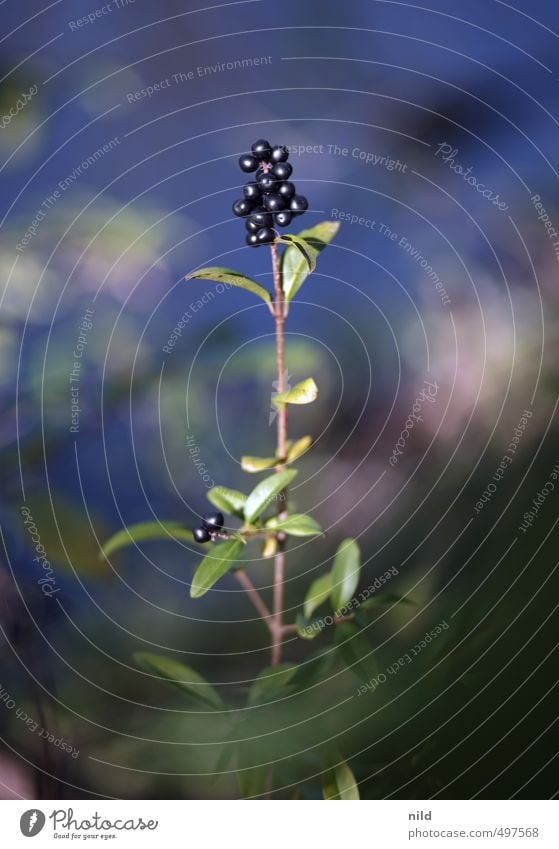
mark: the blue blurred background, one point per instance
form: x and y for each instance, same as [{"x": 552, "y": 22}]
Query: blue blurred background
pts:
[{"x": 129, "y": 191}]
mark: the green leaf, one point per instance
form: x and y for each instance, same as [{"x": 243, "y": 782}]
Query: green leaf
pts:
[
  {"x": 258, "y": 464},
  {"x": 298, "y": 448},
  {"x": 355, "y": 651},
  {"x": 302, "y": 393},
  {"x": 145, "y": 531},
  {"x": 339, "y": 783},
  {"x": 294, "y": 451},
  {"x": 234, "y": 278},
  {"x": 308, "y": 629},
  {"x": 273, "y": 682},
  {"x": 314, "y": 669},
  {"x": 317, "y": 594},
  {"x": 253, "y": 780},
  {"x": 181, "y": 676},
  {"x": 384, "y": 600},
  {"x": 225, "y": 757},
  {"x": 298, "y": 525},
  {"x": 294, "y": 267},
  {"x": 266, "y": 490},
  {"x": 345, "y": 573},
  {"x": 215, "y": 564},
  {"x": 306, "y": 251},
  {"x": 229, "y": 500}
]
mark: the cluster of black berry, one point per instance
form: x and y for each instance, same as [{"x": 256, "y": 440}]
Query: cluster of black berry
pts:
[
  {"x": 210, "y": 526},
  {"x": 270, "y": 199}
]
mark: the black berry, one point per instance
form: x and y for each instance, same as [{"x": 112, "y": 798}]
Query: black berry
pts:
[
  {"x": 270, "y": 199},
  {"x": 282, "y": 170},
  {"x": 201, "y": 534},
  {"x": 283, "y": 218},
  {"x": 262, "y": 218},
  {"x": 252, "y": 225},
  {"x": 298, "y": 204},
  {"x": 268, "y": 183},
  {"x": 214, "y": 521},
  {"x": 265, "y": 235},
  {"x": 252, "y": 191},
  {"x": 248, "y": 163},
  {"x": 261, "y": 150},
  {"x": 274, "y": 203},
  {"x": 286, "y": 190},
  {"x": 242, "y": 207},
  {"x": 279, "y": 153}
]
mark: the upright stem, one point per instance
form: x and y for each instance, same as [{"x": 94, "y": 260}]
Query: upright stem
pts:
[{"x": 279, "y": 563}]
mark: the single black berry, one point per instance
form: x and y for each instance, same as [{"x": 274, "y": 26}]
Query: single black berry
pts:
[
  {"x": 268, "y": 183},
  {"x": 242, "y": 207},
  {"x": 252, "y": 239},
  {"x": 214, "y": 521},
  {"x": 283, "y": 218},
  {"x": 286, "y": 190},
  {"x": 248, "y": 163},
  {"x": 298, "y": 204},
  {"x": 265, "y": 235},
  {"x": 261, "y": 150},
  {"x": 274, "y": 203},
  {"x": 282, "y": 170},
  {"x": 279, "y": 153},
  {"x": 252, "y": 191},
  {"x": 252, "y": 225},
  {"x": 201, "y": 534},
  {"x": 262, "y": 218}
]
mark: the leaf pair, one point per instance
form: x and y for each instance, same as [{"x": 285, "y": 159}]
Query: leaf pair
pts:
[
  {"x": 297, "y": 262},
  {"x": 294, "y": 451}
]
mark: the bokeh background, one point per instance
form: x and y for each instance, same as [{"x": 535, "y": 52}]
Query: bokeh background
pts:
[{"x": 474, "y": 714}]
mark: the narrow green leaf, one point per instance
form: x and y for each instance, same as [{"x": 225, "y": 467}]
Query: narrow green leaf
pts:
[
  {"x": 298, "y": 525},
  {"x": 314, "y": 669},
  {"x": 317, "y": 594},
  {"x": 355, "y": 651},
  {"x": 234, "y": 278},
  {"x": 254, "y": 780},
  {"x": 272, "y": 683},
  {"x": 229, "y": 500},
  {"x": 308, "y": 629},
  {"x": 298, "y": 448},
  {"x": 302, "y": 393},
  {"x": 294, "y": 266},
  {"x": 266, "y": 490},
  {"x": 305, "y": 249},
  {"x": 257, "y": 464},
  {"x": 145, "y": 531},
  {"x": 215, "y": 564},
  {"x": 367, "y": 609},
  {"x": 226, "y": 755},
  {"x": 339, "y": 783},
  {"x": 345, "y": 573},
  {"x": 181, "y": 676},
  {"x": 384, "y": 600}
]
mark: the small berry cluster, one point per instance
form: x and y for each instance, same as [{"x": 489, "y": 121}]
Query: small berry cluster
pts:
[
  {"x": 270, "y": 198},
  {"x": 209, "y": 528}
]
